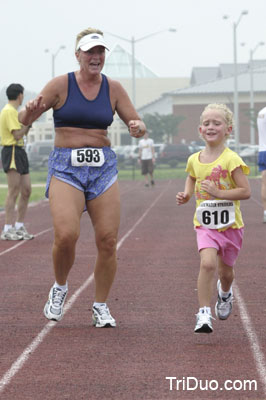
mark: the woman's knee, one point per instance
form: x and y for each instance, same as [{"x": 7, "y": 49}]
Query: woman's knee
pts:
[
  {"x": 107, "y": 243},
  {"x": 65, "y": 238}
]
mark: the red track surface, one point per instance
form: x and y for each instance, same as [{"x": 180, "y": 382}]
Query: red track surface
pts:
[{"x": 154, "y": 301}]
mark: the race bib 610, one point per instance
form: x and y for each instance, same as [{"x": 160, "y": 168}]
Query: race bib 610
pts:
[
  {"x": 90, "y": 157},
  {"x": 216, "y": 214}
]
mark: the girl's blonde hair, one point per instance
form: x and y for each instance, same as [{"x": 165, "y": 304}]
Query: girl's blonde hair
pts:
[
  {"x": 85, "y": 32},
  {"x": 227, "y": 113}
]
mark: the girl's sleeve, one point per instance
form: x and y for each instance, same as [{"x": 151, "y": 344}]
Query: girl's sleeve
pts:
[
  {"x": 189, "y": 167},
  {"x": 236, "y": 162}
]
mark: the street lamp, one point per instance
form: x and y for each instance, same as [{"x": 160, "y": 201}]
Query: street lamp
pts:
[
  {"x": 53, "y": 58},
  {"x": 235, "y": 25},
  {"x": 133, "y": 41},
  {"x": 252, "y": 130}
]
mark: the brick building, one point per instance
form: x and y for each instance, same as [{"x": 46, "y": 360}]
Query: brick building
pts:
[{"x": 190, "y": 102}]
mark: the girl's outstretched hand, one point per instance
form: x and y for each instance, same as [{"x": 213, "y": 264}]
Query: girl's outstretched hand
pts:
[{"x": 182, "y": 198}]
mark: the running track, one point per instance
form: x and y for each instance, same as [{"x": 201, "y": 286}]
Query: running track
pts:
[{"x": 154, "y": 301}]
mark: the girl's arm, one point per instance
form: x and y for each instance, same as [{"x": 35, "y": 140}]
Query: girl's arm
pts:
[
  {"x": 241, "y": 192},
  {"x": 183, "y": 197}
]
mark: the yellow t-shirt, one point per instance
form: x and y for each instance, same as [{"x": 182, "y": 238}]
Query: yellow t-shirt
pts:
[
  {"x": 9, "y": 122},
  {"x": 220, "y": 172}
]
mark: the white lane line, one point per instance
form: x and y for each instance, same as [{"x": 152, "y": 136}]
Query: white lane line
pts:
[
  {"x": 252, "y": 337},
  {"x": 257, "y": 202},
  {"x": 45, "y": 202},
  {"x": 143, "y": 216},
  {"x": 18, "y": 364}
]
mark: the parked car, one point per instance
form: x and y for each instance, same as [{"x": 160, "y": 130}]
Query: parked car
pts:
[
  {"x": 119, "y": 151},
  {"x": 196, "y": 145},
  {"x": 133, "y": 153},
  {"x": 250, "y": 154},
  {"x": 241, "y": 146},
  {"x": 172, "y": 154},
  {"x": 38, "y": 153},
  {"x": 157, "y": 149}
]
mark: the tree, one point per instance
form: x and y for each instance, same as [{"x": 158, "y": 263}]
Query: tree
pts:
[{"x": 162, "y": 127}]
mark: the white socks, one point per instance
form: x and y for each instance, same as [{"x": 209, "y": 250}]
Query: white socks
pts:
[
  {"x": 224, "y": 294},
  {"x": 61, "y": 287},
  {"x": 17, "y": 226},
  {"x": 97, "y": 305},
  {"x": 205, "y": 310},
  {"x": 7, "y": 227}
]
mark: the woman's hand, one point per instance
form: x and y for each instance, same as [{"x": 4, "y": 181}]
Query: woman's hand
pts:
[
  {"x": 33, "y": 109},
  {"x": 136, "y": 128},
  {"x": 35, "y": 106}
]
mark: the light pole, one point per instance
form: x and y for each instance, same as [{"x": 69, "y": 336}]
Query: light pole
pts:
[
  {"x": 53, "y": 58},
  {"x": 133, "y": 41},
  {"x": 252, "y": 115},
  {"x": 235, "y": 25}
]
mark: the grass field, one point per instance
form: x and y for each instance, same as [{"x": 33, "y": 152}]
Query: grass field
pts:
[{"x": 162, "y": 172}]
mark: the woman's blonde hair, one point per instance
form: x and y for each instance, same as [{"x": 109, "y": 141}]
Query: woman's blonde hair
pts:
[
  {"x": 85, "y": 32},
  {"x": 227, "y": 113}
]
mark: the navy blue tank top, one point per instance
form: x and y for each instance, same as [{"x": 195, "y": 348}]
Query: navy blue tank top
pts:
[{"x": 79, "y": 112}]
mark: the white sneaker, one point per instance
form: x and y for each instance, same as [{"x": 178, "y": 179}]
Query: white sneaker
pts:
[
  {"x": 22, "y": 232},
  {"x": 53, "y": 309},
  {"x": 11, "y": 234},
  {"x": 224, "y": 305},
  {"x": 203, "y": 322},
  {"x": 101, "y": 317}
]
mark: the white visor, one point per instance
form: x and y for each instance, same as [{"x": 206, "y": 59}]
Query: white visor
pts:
[{"x": 89, "y": 41}]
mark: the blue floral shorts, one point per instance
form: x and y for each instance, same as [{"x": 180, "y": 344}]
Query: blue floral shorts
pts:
[{"x": 93, "y": 181}]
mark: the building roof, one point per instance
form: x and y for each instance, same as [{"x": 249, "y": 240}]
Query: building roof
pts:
[
  {"x": 226, "y": 70},
  {"x": 216, "y": 87},
  {"x": 206, "y": 74},
  {"x": 203, "y": 74},
  {"x": 226, "y": 85},
  {"x": 118, "y": 64}
]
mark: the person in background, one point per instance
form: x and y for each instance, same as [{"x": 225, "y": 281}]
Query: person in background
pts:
[
  {"x": 15, "y": 165},
  {"x": 147, "y": 158},
  {"x": 82, "y": 168},
  {"x": 217, "y": 176},
  {"x": 261, "y": 123}
]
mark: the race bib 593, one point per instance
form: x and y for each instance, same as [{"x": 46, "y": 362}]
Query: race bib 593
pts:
[
  {"x": 216, "y": 214},
  {"x": 90, "y": 157}
]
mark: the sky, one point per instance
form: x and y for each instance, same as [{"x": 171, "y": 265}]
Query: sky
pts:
[{"x": 202, "y": 38}]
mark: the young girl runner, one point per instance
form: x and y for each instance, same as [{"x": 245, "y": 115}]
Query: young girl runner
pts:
[{"x": 217, "y": 177}]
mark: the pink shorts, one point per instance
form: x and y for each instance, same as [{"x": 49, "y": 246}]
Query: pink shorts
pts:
[{"x": 228, "y": 243}]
